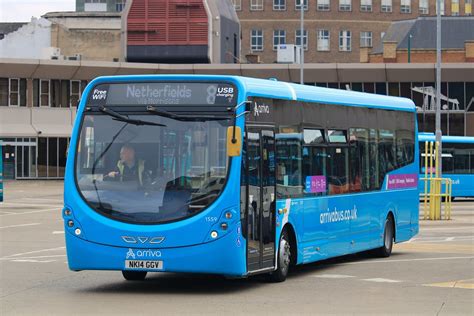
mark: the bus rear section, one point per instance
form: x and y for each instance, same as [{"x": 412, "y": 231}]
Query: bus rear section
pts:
[{"x": 457, "y": 163}]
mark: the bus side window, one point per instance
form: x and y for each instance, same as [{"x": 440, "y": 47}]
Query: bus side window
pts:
[
  {"x": 338, "y": 162},
  {"x": 314, "y": 162}
]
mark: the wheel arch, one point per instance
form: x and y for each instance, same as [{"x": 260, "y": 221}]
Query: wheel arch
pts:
[{"x": 293, "y": 242}]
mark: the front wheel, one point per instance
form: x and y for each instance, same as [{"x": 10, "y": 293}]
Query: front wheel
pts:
[
  {"x": 388, "y": 237},
  {"x": 134, "y": 275},
  {"x": 283, "y": 260}
]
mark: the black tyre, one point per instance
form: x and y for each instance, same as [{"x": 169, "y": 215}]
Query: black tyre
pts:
[
  {"x": 388, "y": 237},
  {"x": 283, "y": 260},
  {"x": 134, "y": 275}
]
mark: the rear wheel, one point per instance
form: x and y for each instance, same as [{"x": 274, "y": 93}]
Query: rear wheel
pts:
[
  {"x": 284, "y": 259},
  {"x": 388, "y": 236},
  {"x": 134, "y": 275}
]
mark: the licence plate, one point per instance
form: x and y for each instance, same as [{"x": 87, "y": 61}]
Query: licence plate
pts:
[{"x": 143, "y": 265}]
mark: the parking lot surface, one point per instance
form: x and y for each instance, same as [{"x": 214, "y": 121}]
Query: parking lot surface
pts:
[{"x": 433, "y": 274}]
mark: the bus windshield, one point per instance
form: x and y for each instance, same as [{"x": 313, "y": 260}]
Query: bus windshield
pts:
[{"x": 147, "y": 168}]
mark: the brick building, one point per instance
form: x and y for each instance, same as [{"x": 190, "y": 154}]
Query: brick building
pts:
[
  {"x": 414, "y": 41},
  {"x": 335, "y": 30}
]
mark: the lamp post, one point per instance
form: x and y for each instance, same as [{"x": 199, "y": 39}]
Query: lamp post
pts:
[
  {"x": 409, "y": 48},
  {"x": 438, "y": 85},
  {"x": 301, "y": 42}
]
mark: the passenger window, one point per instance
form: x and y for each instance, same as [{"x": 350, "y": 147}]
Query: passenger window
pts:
[
  {"x": 314, "y": 162},
  {"x": 374, "y": 160},
  {"x": 405, "y": 147},
  {"x": 289, "y": 162},
  {"x": 359, "y": 160},
  {"x": 387, "y": 152},
  {"x": 461, "y": 160},
  {"x": 338, "y": 162}
]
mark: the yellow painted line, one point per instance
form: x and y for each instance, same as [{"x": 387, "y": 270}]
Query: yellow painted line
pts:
[
  {"x": 436, "y": 247},
  {"x": 461, "y": 284}
]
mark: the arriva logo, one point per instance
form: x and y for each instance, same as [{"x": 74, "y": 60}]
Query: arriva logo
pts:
[
  {"x": 143, "y": 253},
  {"x": 130, "y": 253},
  {"x": 99, "y": 94},
  {"x": 260, "y": 109}
]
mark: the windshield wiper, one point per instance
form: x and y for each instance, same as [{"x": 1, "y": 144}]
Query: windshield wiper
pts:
[
  {"x": 180, "y": 117},
  {"x": 123, "y": 118}
]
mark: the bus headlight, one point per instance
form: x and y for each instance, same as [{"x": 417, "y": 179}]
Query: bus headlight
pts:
[
  {"x": 214, "y": 234},
  {"x": 228, "y": 215},
  {"x": 77, "y": 231},
  {"x": 70, "y": 223},
  {"x": 224, "y": 226},
  {"x": 67, "y": 212}
]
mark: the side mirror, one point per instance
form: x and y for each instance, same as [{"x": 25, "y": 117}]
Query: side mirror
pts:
[{"x": 235, "y": 134}]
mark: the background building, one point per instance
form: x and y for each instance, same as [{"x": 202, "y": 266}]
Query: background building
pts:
[
  {"x": 100, "y": 5},
  {"x": 38, "y": 99},
  {"x": 414, "y": 41},
  {"x": 335, "y": 30}
]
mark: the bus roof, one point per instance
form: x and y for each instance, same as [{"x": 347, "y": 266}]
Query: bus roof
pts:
[
  {"x": 428, "y": 137},
  {"x": 268, "y": 88}
]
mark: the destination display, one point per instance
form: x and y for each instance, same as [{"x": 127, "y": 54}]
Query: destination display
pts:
[{"x": 165, "y": 93}]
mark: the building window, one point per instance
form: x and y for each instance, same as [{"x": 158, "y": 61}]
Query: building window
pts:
[
  {"x": 424, "y": 7},
  {"x": 455, "y": 7},
  {"x": 324, "y": 5},
  {"x": 256, "y": 40},
  {"x": 442, "y": 7},
  {"x": 256, "y": 5},
  {"x": 405, "y": 6},
  {"x": 298, "y": 38},
  {"x": 386, "y": 6},
  {"x": 365, "y": 39},
  {"x": 95, "y": 5},
  {"x": 279, "y": 5},
  {"x": 366, "y": 5},
  {"x": 14, "y": 89},
  {"x": 75, "y": 93},
  {"x": 45, "y": 86},
  {"x": 4, "y": 91},
  {"x": 345, "y": 5},
  {"x": 279, "y": 38},
  {"x": 468, "y": 7},
  {"x": 298, "y": 5},
  {"x": 120, "y": 5},
  {"x": 323, "y": 40},
  {"x": 237, "y": 5},
  {"x": 345, "y": 41}
]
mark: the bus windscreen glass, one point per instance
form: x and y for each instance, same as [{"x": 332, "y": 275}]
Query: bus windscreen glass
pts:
[{"x": 150, "y": 168}]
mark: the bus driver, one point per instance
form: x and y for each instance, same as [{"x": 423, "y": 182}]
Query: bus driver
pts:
[{"x": 129, "y": 168}]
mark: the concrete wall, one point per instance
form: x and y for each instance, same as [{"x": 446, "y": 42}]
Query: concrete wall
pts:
[
  {"x": 92, "y": 44},
  {"x": 32, "y": 41}
]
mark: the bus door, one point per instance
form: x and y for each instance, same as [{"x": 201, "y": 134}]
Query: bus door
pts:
[{"x": 260, "y": 210}]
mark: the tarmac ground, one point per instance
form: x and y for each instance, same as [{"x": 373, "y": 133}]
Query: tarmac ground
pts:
[{"x": 432, "y": 274}]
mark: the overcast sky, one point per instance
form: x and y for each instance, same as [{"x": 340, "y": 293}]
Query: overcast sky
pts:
[{"x": 23, "y": 10}]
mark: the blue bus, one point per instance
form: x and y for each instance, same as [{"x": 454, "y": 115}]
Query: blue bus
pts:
[
  {"x": 1, "y": 171},
  {"x": 235, "y": 176},
  {"x": 457, "y": 162}
]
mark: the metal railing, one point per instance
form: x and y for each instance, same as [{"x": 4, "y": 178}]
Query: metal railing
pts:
[{"x": 437, "y": 190}]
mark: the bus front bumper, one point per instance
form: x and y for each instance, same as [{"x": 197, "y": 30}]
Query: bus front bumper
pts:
[{"x": 225, "y": 256}]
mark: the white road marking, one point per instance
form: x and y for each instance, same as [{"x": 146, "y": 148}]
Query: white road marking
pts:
[
  {"x": 407, "y": 260},
  {"x": 449, "y": 239},
  {"x": 57, "y": 232},
  {"x": 35, "y": 257},
  {"x": 44, "y": 199},
  {"x": 23, "y": 213},
  {"x": 333, "y": 276},
  {"x": 20, "y": 225},
  {"x": 444, "y": 228},
  {"x": 30, "y": 252},
  {"x": 382, "y": 280},
  {"x": 35, "y": 261},
  {"x": 30, "y": 204}
]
